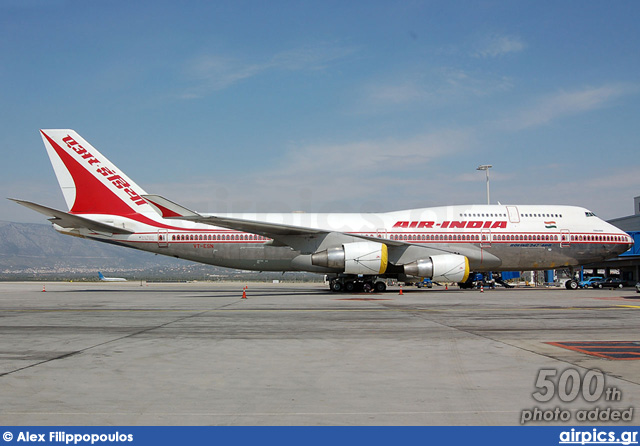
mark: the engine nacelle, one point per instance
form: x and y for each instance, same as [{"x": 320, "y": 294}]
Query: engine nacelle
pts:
[
  {"x": 354, "y": 258},
  {"x": 445, "y": 267}
]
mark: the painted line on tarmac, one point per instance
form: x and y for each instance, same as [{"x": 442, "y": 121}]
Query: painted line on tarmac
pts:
[
  {"x": 253, "y": 414},
  {"x": 309, "y": 310},
  {"x": 613, "y": 350}
]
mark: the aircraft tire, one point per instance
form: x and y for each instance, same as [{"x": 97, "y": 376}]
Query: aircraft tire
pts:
[
  {"x": 571, "y": 285},
  {"x": 349, "y": 287},
  {"x": 380, "y": 287},
  {"x": 336, "y": 286}
]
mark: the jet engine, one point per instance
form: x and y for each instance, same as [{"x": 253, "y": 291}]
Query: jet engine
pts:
[
  {"x": 354, "y": 258},
  {"x": 445, "y": 267}
]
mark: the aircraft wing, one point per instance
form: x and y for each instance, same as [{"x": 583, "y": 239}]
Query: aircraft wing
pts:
[
  {"x": 309, "y": 240},
  {"x": 168, "y": 209},
  {"x": 279, "y": 232},
  {"x": 70, "y": 221}
]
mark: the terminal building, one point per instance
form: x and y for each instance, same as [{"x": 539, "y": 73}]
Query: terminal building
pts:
[{"x": 627, "y": 264}]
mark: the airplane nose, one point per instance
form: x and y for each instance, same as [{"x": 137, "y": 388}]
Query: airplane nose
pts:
[{"x": 628, "y": 245}]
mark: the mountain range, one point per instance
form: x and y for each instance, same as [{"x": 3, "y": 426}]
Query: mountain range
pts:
[
  {"x": 28, "y": 249},
  {"x": 31, "y": 251}
]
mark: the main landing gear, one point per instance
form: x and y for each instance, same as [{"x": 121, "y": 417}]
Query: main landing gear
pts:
[
  {"x": 354, "y": 284},
  {"x": 571, "y": 284}
]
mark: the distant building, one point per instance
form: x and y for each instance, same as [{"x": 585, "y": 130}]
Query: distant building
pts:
[{"x": 628, "y": 263}]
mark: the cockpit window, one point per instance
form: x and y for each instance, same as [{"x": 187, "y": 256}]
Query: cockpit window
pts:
[{"x": 589, "y": 214}]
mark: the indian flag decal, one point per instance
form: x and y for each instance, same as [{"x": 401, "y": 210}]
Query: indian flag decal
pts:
[{"x": 550, "y": 225}]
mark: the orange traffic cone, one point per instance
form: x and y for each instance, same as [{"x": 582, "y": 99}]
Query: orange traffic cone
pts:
[
  {"x": 446, "y": 286},
  {"x": 482, "y": 288},
  {"x": 400, "y": 293},
  {"x": 244, "y": 293},
  {"x": 43, "y": 290}
]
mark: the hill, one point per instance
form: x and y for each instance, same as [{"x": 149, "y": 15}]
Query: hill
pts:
[{"x": 29, "y": 250}]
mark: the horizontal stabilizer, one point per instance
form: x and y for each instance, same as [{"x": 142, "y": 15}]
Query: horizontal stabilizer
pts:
[{"x": 66, "y": 220}]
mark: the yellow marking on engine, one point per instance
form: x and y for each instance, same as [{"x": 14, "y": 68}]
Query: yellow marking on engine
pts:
[
  {"x": 466, "y": 269},
  {"x": 384, "y": 260}
]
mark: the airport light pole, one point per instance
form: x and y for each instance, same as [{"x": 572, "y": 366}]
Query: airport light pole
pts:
[{"x": 486, "y": 168}]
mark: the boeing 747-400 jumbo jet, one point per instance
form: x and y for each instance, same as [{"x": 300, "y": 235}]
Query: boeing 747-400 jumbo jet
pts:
[{"x": 442, "y": 243}]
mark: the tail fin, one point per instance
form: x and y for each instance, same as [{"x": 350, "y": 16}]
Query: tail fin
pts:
[
  {"x": 90, "y": 183},
  {"x": 100, "y": 275}
]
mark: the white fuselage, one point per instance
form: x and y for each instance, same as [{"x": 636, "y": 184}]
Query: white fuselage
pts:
[
  {"x": 442, "y": 242},
  {"x": 493, "y": 237}
]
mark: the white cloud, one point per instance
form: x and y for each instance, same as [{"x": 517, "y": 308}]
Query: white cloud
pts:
[
  {"x": 309, "y": 57},
  {"x": 565, "y": 103},
  {"x": 217, "y": 72},
  {"x": 477, "y": 176},
  {"x": 441, "y": 86},
  {"x": 214, "y": 72},
  {"x": 460, "y": 82},
  {"x": 363, "y": 157},
  {"x": 609, "y": 195},
  {"x": 374, "y": 174},
  {"x": 402, "y": 93},
  {"x": 496, "y": 46}
]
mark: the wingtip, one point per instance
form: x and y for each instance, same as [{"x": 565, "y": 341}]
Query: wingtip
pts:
[{"x": 167, "y": 208}]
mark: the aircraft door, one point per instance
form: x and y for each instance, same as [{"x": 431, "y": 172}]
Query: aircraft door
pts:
[
  {"x": 163, "y": 238},
  {"x": 514, "y": 215},
  {"x": 485, "y": 238},
  {"x": 565, "y": 238}
]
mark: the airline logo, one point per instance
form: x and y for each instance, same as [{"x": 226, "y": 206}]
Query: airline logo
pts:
[
  {"x": 550, "y": 225},
  {"x": 451, "y": 224},
  {"x": 111, "y": 175}
]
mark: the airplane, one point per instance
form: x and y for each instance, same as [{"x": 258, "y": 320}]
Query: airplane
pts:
[
  {"x": 444, "y": 243},
  {"x": 110, "y": 279}
]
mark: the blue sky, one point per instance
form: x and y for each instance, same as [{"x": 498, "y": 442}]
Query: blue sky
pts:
[{"x": 328, "y": 106}]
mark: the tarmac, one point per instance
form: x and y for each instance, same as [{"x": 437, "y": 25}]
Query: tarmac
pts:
[{"x": 297, "y": 354}]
